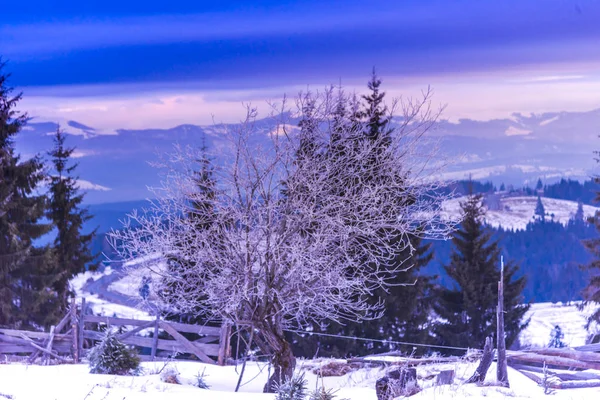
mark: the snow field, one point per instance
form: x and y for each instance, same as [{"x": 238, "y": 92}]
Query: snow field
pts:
[{"x": 74, "y": 382}]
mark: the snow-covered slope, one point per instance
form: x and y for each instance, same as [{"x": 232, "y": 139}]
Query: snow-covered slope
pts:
[
  {"x": 545, "y": 316},
  {"x": 517, "y": 212}
]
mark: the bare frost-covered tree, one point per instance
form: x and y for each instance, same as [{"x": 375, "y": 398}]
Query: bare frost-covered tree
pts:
[{"x": 302, "y": 227}]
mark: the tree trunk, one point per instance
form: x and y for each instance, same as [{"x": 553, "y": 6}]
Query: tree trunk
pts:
[{"x": 271, "y": 340}]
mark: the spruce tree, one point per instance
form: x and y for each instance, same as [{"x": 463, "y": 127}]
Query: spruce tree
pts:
[
  {"x": 25, "y": 298},
  {"x": 72, "y": 254},
  {"x": 468, "y": 310},
  {"x": 201, "y": 215},
  {"x": 540, "y": 212},
  {"x": 591, "y": 293}
]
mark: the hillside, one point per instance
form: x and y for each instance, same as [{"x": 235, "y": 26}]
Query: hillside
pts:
[{"x": 516, "y": 212}]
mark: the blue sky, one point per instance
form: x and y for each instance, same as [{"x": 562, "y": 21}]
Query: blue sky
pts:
[{"x": 161, "y": 63}]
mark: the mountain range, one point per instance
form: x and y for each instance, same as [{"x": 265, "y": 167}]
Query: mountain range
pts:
[{"x": 515, "y": 151}]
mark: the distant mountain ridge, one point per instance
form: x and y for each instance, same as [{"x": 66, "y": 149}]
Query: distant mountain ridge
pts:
[{"x": 516, "y": 150}]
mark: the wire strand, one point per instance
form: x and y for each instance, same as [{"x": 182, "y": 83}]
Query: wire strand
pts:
[{"x": 380, "y": 340}]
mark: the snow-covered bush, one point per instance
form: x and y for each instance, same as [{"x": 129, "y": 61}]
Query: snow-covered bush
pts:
[
  {"x": 110, "y": 356},
  {"x": 200, "y": 382},
  {"x": 170, "y": 375},
  {"x": 293, "y": 389},
  {"x": 323, "y": 394}
]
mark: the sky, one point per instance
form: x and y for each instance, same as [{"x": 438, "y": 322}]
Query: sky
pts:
[{"x": 142, "y": 64}]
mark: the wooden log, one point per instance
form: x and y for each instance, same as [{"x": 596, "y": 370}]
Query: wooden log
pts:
[
  {"x": 584, "y": 356},
  {"x": 74, "y": 329},
  {"x": 155, "y": 337},
  {"x": 190, "y": 347},
  {"x": 484, "y": 364},
  {"x": 552, "y": 360},
  {"x": 49, "y": 344},
  {"x": 553, "y": 384},
  {"x": 562, "y": 375}
]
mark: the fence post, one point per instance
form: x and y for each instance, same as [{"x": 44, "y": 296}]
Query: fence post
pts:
[
  {"x": 74, "y": 331},
  {"x": 224, "y": 344},
  {"x": 81, "y": 327},
  {"x": 501, "y": 372},
  {"x": 155, "y": 337}
]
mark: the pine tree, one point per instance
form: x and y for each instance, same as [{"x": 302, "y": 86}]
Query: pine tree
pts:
[
  {"x": 469, "y": 308},
  {"x": 201, "y": 214},
  {"x": 591, "y": 293},
  {"x": 539, "y": 186},
  {"x": 579, "y": 216},
  {"x": 72, "y": 254},
  {"x": 540, "y": 212},
  {"x": 406, "y": 307},
  {"x": 26, "y": 297}
]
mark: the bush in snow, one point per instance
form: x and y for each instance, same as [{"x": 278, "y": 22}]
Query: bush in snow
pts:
[
  {"x": 323, "y": 394},
  {"x": 170, "y": 375},
  {"x": 292, "y": 389},
  {"x": 200, "y": 382},
  {"x": 110, "y": 356}
]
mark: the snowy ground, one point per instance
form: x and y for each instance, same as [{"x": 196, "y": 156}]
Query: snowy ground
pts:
[
  {"x": 517, "y": 212},
  {"x": 544, "y": 316},
  {"x": 73, "y": 382}
]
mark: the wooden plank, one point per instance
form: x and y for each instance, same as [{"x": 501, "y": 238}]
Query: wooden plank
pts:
[
  {"x": 552, "y": 360},
  {"x": 223, "y": 345},
  {"x": 187, "y": 328},
  {"x": 74, "y": 330},
  {"x": 31, "y": 334},
  {"x": 190, "y": 347},
  {"x": 43, "y": 350},
  {"x": 134, "y": 331},
  {"x": 567, "y": 353},
  {"x": 162, "y": 344},
  {"x": 588, "y": 347}
]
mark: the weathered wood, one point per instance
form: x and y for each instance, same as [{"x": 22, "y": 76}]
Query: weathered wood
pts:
[
  {"x": 588, "y": 347},
  {"x": 13, "y": 348},
  {"x": 32, "y": 335},
  {"x": 552, "y": 360},
  {"x": 43, "y": 350},
  {"x": 484, "y": 364},
  {"x": 200, "y": 330},
  {"x": 61, "y": 325},
  {"x": 49, "y": 344},
  {"x": 501, "y": 368},
  {"x": 552, "y": 384},
  {"x": 445, "y": 377},
  {"x": 584, "y": 356},
  {"x": 190, "y": 347},
  {"x": 223, "y": 344},
  {"x": 562, "y": 375},
  {"x": 161, "y": 344},
  {"x": 80, "y": 326},
  {"x": 132, "y": 332},
  {"x": 155, "y": 338}
]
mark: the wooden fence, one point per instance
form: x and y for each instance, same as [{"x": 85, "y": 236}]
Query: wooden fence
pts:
[{"x": 73, "y": 337}]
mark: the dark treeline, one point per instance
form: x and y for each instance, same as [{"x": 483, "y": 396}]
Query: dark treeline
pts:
[
  {"x": 568, "y": 189},
  {"x": 548, "y": 253}
]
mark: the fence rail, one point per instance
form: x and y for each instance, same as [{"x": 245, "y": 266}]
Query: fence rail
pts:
[{"x": 73, "y": 337}]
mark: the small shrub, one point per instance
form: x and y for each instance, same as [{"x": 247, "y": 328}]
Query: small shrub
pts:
[
  {"x": 170, "y": 375},
  {"x": 293, "y": 389},
  {"x": 110, "y": 356},
  {"x": 323, "y": 394},
  {"x": 200, "y": 382}
]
